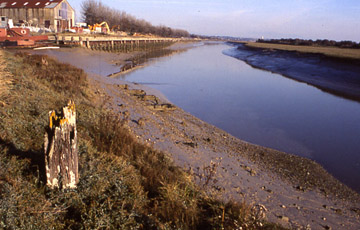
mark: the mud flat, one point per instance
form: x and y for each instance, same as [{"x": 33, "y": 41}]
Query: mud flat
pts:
[
  {"x": 336, "y": 75},
  {"x": 295, "y": 191}
]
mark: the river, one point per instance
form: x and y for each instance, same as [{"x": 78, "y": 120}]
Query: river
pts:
[{"x": 261, "y": 107}]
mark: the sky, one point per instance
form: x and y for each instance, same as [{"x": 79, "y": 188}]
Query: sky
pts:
[{"x": 306, "y": 19}]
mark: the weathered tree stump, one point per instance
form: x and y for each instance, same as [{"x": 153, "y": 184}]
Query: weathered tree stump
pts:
[{"x": 61, "y": 152}]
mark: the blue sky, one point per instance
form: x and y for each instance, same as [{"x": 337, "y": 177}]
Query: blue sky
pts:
[{"x": 309, "y": 19}]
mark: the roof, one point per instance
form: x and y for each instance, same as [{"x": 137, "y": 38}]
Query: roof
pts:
[{"x": 29, "y": 3}]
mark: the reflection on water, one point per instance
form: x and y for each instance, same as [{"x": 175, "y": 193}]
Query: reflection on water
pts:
[
  {"x": 261, "y": 107},
  {"x": 144, "y": 58}
]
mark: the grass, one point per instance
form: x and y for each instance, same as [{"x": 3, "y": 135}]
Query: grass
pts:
[
  {"x": 123, "y": 184},
  {"x": 327, "y": 51}
]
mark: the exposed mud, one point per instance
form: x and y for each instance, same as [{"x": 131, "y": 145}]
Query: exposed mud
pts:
[
  {"x": 340, "y": 77},
  {"x": 297, "y": 192}
]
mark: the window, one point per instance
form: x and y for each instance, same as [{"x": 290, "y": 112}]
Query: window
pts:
[
  {"x": 13, "y": 3},
  {"x": 63, "y": 11},
  {"x": 26, "y": 3},
  {"x": 37, "y": 3},
  {"x": 47, "y": 23}
]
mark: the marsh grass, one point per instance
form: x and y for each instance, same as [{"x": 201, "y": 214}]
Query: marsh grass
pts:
[
  {"x": 123, "y": 184},
  {"x": 334, "y": 52}
]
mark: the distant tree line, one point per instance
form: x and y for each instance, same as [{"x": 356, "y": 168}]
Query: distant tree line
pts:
[
  {"x": 94, "y": 11},
  {"x": 303, "y": 42}
]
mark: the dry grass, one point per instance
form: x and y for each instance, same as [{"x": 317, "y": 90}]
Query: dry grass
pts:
[
  {"x": 328, "y": 51},
  {"x": 123, "y": 184},
  {"x": 5, "y": 81}
]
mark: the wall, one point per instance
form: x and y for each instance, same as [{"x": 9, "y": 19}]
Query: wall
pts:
[
  {"x": 39, "y": 16},
  {"x": 64, "y": 16}
]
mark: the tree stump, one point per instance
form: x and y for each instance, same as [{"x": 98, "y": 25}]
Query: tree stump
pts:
[{"x": 61, "y": 152}]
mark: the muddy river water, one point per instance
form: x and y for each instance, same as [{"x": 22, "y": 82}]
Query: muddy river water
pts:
[{"x": 261, "y": 107}]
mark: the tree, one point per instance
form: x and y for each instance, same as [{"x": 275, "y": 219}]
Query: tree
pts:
[{"x": 94, "y": 11}]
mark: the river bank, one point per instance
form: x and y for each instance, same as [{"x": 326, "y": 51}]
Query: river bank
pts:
[
  {"x": 295, "y": 191},
  {"x": 123, "y": 183},
  {"x": 304, "y": 66}
]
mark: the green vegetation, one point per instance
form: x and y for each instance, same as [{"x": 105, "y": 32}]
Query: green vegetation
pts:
[
  {"x": 123, "y": 184},
  {"x": 327, "y": 51},
  {"x": 304, "y": 42}
]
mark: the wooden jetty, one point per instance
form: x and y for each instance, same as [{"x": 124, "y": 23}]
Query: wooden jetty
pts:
[{"x": 108, "y": 43}]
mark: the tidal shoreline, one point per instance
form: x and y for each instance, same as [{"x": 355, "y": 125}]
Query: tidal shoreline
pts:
[
  {"x": 337, "y": 76},
  {"x": 296, "y": 191}
]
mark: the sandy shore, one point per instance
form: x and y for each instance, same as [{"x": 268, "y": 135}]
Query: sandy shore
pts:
[{"x": 295, "y": 191}]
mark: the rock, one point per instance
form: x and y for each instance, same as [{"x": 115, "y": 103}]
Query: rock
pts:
[
  {"x": 337, "y": 210},
  {"x": 126, "y": 115},
  {"x": 300, "y": 188},
  {"x": 266, "y": 189},
  {"x": 163, "y": 107},
  {"x": 207, "y": 139},
  {"x": 249, "y": 170},
  {"x": 123, "y": 86},
  {"x": 284, "y": 218},
  {"x": 356, "y": 210},
  {"x": 137, "y": 92},
  {"x": 191, "y": 144},
  {"x": 252, "y": 172},
  {"x": 141, "y": 122},
  {"x": 44, "y": 61},
  {"x": 151, "y": 98}
]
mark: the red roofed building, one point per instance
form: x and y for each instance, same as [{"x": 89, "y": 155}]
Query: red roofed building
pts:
[{"x": 56, "y": 15}]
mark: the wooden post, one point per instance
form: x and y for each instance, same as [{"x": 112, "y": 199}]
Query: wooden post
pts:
[
  {"x": 88, "y": 43},
  {"x": 81, "y": 42},
  {"x": 61, "y": 151}
]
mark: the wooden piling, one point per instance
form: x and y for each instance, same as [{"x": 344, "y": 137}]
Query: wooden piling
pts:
[
  {"x": 88, "y": 43},
  {"x": 61, "y": 150},
  {"x": 81, "y": 42}
]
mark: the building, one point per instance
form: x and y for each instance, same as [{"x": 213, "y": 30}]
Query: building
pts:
[{"x": 56, "y": 15}]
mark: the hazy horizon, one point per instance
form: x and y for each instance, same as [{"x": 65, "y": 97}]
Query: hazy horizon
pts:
[{"x": 306, "y": 19}]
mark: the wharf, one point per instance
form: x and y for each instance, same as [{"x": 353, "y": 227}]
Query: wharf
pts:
[{"x": 110, "y": 42}]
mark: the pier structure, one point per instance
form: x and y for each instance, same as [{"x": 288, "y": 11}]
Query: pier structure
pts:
[{"x": 108, "y": 43}]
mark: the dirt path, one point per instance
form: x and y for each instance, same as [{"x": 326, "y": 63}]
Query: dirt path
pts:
[{"x": 295, "y": 191}]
